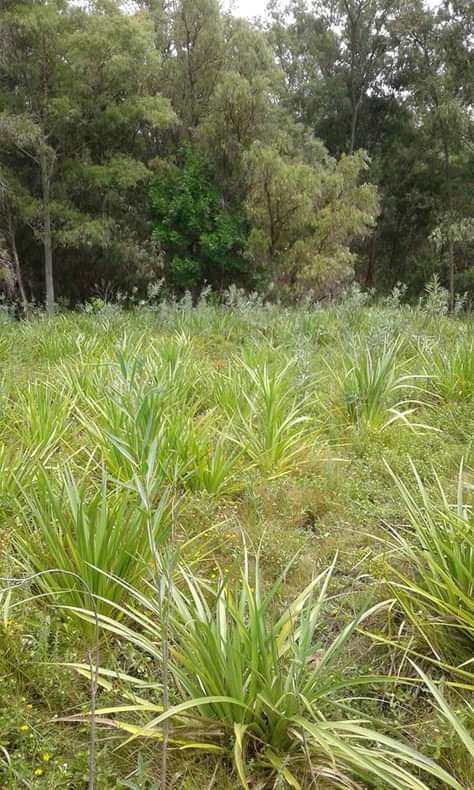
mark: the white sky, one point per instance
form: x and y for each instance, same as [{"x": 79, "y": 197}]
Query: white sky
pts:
[
  {"x": 252, "y": 8},
  {"x": 249, "y": 8}
]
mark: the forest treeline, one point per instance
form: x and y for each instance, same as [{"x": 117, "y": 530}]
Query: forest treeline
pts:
[{"x": 172, "y": 141}]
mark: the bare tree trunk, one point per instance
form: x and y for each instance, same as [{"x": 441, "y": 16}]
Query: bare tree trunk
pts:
[
  {"x": 369, "y": 275},
  {"x": 447, "y": 175},
  {"x": 7, "y": 275},
  {"x": 16, "y": 264},
  {"x": 47, "y": 235},
  {"x": 451, "y": 274},
  {"x": 354, "y": 122}
]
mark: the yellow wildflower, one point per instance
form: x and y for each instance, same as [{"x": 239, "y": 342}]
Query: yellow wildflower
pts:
[
  {"x": 24, "y": 728},
  {"x": 38, "y": 772},
  {"x": 45, "y": 757}
]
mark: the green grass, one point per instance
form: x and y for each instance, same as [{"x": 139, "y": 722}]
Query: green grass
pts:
[
  {"x": 230, "y": 434},
  {"x": 438, "y": 598}
]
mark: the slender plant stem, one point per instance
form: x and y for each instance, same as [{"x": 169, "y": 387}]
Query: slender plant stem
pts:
[
  {"x": 93, "y": 659},
  {"x": 165, "y": 679},
  {"x": 165, "y": 589}
]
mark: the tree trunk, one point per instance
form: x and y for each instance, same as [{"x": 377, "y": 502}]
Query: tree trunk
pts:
[
  {"x": 354, "y": 120},
  {"x": 16, "y": 265},
  {"x": 369, "y": 275},
  {"x": 47, "y": 235},
  {"x": 451, "y": 274},
  {"x": 447, "y": 175},
  {"x": 7, "y": 275}
]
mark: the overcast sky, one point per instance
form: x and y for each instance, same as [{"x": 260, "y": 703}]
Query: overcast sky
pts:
[
  {"x": 248, "y": 7},
  {"x": 252, "y": 8}
]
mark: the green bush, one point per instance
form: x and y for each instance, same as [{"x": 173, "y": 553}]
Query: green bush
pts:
[{"x": 202, "y": 239}]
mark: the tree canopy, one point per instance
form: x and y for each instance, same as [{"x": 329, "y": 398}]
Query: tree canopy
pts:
[{"x": 149, "y": 140}]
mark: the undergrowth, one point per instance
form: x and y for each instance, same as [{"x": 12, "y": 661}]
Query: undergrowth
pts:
[{"x": 241, "y": 532}]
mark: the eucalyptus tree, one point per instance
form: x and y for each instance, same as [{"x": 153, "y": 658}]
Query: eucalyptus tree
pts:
[
  {"x": 436, "y": 71},
  {"x": 80, "y": 109},
  {"x": 304, "y": 216},
  {"x": 336, "y": 55}
]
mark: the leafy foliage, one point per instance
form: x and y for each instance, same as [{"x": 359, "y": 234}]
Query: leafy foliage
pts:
[
  {"x": 202, "y": 240},
  {"x": 454, "y": 371},
  {"x": 304, "y": 216},
  {"x": 337, "y": 140}
]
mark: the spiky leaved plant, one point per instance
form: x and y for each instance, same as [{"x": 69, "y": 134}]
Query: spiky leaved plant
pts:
[
  {"x": 436, "y": 587},
  {"x": 259, "y": 686}
]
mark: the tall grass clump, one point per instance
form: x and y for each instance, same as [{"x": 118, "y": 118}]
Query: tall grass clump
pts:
[
  {"x": 267, "y": 415},
  {"x": 452, "y": 370},
  {"x": 372, "y": 389},
  {"x": 189, "y": 450},
  {"x": 451, "y": 716},
  {"x": 45, "y": 417},
  {"x": 86, "y": 536},
  {"x": 154, "y": 401},
  {"x": 259, "y": 685},
  {"x": 436, "y": 592}
]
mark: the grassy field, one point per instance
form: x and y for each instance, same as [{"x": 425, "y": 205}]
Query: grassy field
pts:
[{"x": 242, "y": 538}]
